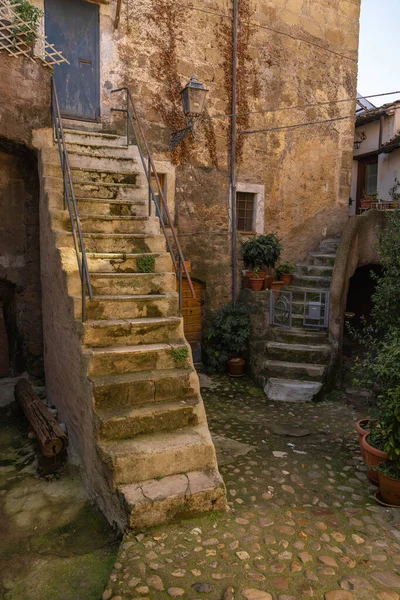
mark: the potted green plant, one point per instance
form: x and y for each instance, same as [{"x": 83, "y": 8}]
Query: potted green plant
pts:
[
  {"x": 285, "y": 272},
  {"x": 226, "y": 339},
  {"x": 262, "y": 251},
  {"x": 389, "y": 470},
  {"x": 257, "y": 281}
]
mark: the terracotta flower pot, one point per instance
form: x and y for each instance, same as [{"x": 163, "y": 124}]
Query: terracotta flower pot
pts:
[
  {"x": 247, "y": 276},
  {"x": 256, "y": 284},
  {"x": 390, "y": 489},
  {"x": 362, "y": 430},
  {"x": 276, "y": 287},
  {"x": 286, "y": 278},
  {"x": 373, "y": 457},
  {"x": 236, "y": 367},
  {"x": 268, "y": 279}
]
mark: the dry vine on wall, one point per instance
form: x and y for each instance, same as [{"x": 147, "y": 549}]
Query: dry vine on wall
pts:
[
  {"x": 168, "y": 22},
  {"x": 247, "y": 80}
]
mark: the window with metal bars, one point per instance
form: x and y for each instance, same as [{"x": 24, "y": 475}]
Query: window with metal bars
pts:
[{"x": 245, "y": 203}]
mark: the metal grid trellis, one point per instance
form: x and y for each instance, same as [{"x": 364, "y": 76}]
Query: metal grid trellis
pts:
[{"x": 15, "y": 36}]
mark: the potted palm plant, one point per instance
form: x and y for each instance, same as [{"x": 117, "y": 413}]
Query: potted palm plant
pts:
[{"x": 285, "y": 272}]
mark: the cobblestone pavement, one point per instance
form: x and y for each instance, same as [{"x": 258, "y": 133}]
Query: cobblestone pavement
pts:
[{"x": 303, "y": 522}]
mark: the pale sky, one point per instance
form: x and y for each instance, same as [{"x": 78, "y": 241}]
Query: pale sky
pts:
[{"x": 379, "y": 64}]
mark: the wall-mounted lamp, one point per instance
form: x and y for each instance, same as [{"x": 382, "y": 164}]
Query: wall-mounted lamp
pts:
[
  {"x": 193, "y": 102},
  {"x": 360, "y": 138}
]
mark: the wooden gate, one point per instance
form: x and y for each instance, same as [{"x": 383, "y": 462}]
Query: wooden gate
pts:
[{"x": 192, "y": 312}]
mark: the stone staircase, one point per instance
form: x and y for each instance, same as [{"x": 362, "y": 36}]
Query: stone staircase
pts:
[
  {"x": 297, "y": 361},
  {"x": 139, "y": 425}
]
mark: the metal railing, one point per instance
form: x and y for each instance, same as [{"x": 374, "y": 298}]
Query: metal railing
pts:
[
  {"x": 150, "y": 171},
  {"x": 70, "y": 199}
]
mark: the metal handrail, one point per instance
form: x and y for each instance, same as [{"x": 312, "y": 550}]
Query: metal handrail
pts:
[
  {"x": 150, "y": 169},
  {"x": 70, "y": 199}
]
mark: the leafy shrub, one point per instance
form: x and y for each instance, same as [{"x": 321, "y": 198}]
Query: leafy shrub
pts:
[
  {"x": 285, "y": 269},
  {"x": 31, "y": 15},
  {"x": 146, "y": 264},
  {"x": 227, "y": 335},
  {"x": 262, "y": 250}
]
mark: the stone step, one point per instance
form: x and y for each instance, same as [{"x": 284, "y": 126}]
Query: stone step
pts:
[
  {"x": 102, "y": 151},
  {"x": 329, "y": 245},
  {"x": 88, "y": 189},
  {"x": 110, "y": 243},
  {"x": 296, "y": 334},
  {"x": 127, "y": 423},
  {"x": 316, "y": 270},
  {"x": 292, "y": 390},
  {"x": 132, "y": 332},
  {"x": 135, "y": 389},
  {"x": 116, "y": 224},
  {"x": 307, "y": 353},
  {"x": 131, "y": 359},
  {"x": 92, "y": 138},
  {"x": 113, "y": 208},
  {"x": 130, "y": 306},
  {"x": 312, "y": 281},
  {"x": 158, "y": 455},
  {"x": 117, "y": 262},
  {"x": 299, "y": 291},
  {"x": 293, "y": 370},
  {"x": 132, "y": 283},
  {"x": 322, "y": 258},
  {"x": 123, "y": 162},
  {"x": 159, "y": 500},
  {"x": 101, "y": 176}
]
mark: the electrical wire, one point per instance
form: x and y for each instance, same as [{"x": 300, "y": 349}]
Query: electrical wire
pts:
[{"x": 253, "y": 24}]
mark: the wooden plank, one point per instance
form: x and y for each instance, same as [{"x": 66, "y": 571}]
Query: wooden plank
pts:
[{"x": 50, "y": 436}]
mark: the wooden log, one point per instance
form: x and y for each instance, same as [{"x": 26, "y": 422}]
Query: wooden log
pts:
[{"x": 50, "y": 436}]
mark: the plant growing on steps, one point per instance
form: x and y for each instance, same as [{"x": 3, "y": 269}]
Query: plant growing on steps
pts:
[
  {"x": 227, "y": 335},
  {"x": 262, "y": 250},
  {"x": 180, "y": 354},
  {"x": 30, "y": 15},
  {"x": 146, "y": 264}
]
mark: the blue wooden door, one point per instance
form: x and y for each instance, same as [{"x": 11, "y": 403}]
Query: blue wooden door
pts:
[{"x": 73, "y": 27}]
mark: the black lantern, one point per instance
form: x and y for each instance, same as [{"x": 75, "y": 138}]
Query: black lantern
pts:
[
  {"x": 360, "y": 138},
  {"x": 194, "y": 98},
  {"x": 193, "y": 102}
]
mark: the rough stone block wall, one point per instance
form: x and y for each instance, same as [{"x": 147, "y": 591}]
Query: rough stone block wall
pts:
[
  {"x": 20, "y": 290},
  {"x": 306, "y": 171}
]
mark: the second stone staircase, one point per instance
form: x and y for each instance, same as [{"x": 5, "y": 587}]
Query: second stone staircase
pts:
[
  {"x": 295, "y": 363},
  {"x": 150, "y": 436}
]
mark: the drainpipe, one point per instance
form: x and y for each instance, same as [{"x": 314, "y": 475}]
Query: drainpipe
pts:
[
  {"x": 381, "y": 122},
  {"x": 232, "y": 175}
]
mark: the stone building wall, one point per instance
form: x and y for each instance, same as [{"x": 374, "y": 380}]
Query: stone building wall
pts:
[
  {"x": 20, "y": 258},
  {"x": 291, "y": 53}
]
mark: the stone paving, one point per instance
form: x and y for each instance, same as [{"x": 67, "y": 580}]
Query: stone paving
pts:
[{"x": 302, "y": 523}]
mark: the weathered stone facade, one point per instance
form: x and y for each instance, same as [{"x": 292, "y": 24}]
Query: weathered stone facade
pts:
[
  {"x": 20, "y": 259},
  {"x": 306, "y": 171}
]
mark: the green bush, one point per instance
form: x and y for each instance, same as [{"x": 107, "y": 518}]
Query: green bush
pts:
[
  {"x": 285, "y": 269},
  {"x": 31, "y": 15},
  {"x": 228, "y": 335},
  {"x": 262, "y": 250}
]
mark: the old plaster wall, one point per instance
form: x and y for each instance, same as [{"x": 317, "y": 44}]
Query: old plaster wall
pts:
[
  {"x": 24, "y": 97},
  {"x": 20, "y": 290},
  {"x": 358, "y": 248}
]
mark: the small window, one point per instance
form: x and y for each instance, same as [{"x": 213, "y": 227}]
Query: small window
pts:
[{"x": 245, "y": 204}]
